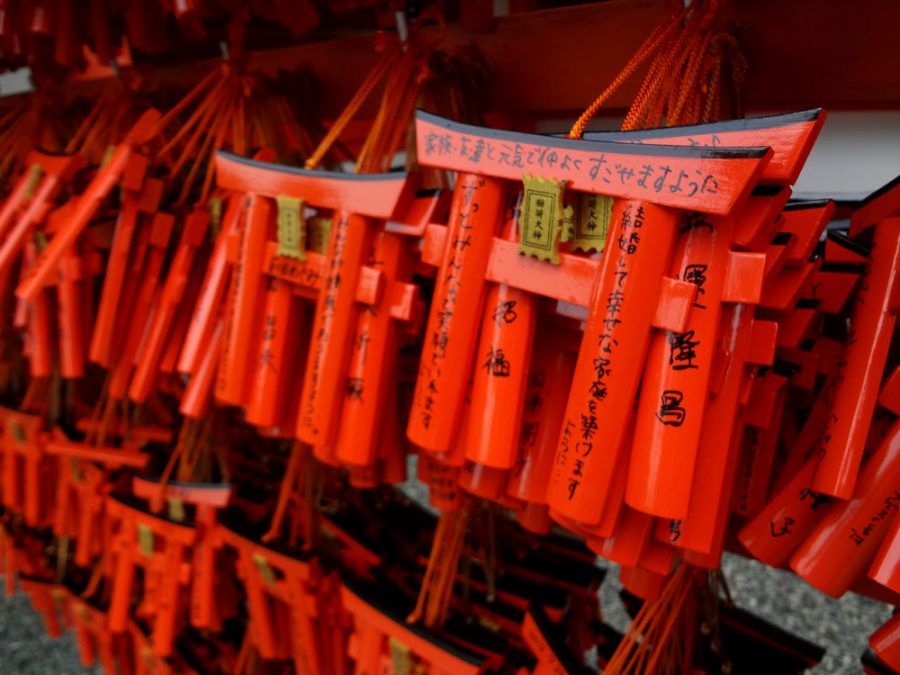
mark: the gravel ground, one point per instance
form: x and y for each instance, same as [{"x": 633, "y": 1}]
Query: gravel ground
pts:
[
  {"x": 842, "y": 626},
  {"x": 26, "y": 649}
]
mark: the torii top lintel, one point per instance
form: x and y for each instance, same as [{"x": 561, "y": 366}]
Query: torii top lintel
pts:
[{"x": 710, "y": 180}]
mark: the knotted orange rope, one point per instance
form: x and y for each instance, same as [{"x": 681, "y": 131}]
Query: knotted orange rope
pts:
[
  {"x": 650, "y": 45},
  {"x": 683, "y": 83},
  {"x": 401, "y": 59},
  {"x": 437, "y": 585}
]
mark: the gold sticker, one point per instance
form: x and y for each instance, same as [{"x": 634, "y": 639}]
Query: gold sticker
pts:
[
  {"x": 107, "y": 156},
  {"x": 265, "y": 569},
  {"x": 291, "y": 232},
  {"x": 176, "y": 509},
  {"x": 145, "y": 539},
  {"x": 401, "y": 661},
  {"x": 592, "y": 222},
  {"x": 17, "y": 431},
  {"x": 40, "y": 240},
  {"x": 492, "y": 626},
  {"x": 541, "y": 218},
  {"x": 319, "y": 234},
  {"x": 215, "y": 216},
  {"x": 34, "y": 177},
  {"x": 75, "y": 468}
]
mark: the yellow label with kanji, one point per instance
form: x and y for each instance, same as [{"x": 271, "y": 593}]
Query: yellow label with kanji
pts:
[
  {"x": 266, "y": 573},
  {"x": 40, "y": 240},
  {"x": 17, "y": 431},
  {"x": 215, "y": 215},
  {"x": 145, "y": 539},
  {"x": 34, "y": 177},
  {"x": 591, "y": 222},
  {"x": 401, "y": 661},
  {"x": 176, "y": 509},
  {"x": 75, "y": 468},
  {"x": 107, "y": 156},
  {"x": 319, "y": 234},
  {"x": 291, "y": 229},
  {"x": 541, "y": 218}
]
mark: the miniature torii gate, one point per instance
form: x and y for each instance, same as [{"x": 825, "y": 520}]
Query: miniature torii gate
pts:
[{"x": 470, "y": 256}]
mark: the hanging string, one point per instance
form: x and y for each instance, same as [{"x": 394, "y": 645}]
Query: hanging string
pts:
[
  {"x": 433, "y": 602},
  {"x": 648, "y": 644},
  {"x": 683, "y": 83},
  {"x": 648, "y": 48},
  {"x": 648, "y": 107},
  {"x": 402, "y": 56}
]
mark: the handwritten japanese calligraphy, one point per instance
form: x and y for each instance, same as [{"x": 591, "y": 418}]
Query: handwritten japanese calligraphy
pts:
[{"x": 703, "y": 179}]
